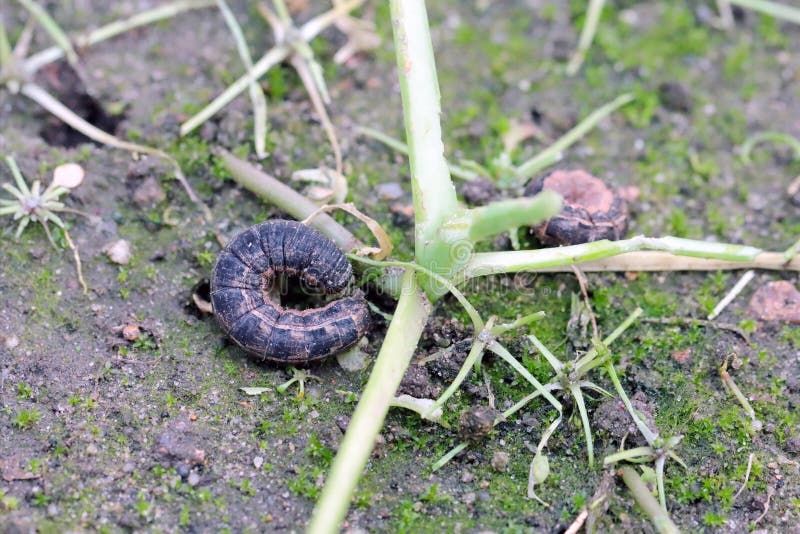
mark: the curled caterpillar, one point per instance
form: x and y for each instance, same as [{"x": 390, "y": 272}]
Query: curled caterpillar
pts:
[{"x": 247, "y": 270}]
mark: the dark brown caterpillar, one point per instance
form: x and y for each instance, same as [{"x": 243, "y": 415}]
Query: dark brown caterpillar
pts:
[
  {"x": 592, "y": 211},
  {"x": 247, "y": 270}
]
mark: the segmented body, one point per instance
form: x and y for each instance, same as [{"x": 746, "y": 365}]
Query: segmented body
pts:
[
  {"x": 591, "y": 210},
  {"x": 246, "y": 272}
]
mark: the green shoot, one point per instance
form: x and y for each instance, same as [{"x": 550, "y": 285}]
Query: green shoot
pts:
[
  {"x": 587, "y": 36},
  {"x": 52, "y": 28}
]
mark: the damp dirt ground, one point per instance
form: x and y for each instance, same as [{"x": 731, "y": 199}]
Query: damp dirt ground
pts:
[{"x": 103, "y": 434}]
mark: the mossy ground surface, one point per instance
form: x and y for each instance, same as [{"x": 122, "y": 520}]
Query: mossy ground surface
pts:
[{"x": 100, "y": 435}]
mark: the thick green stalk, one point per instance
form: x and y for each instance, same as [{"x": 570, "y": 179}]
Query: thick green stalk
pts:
[
  {"x": 503, "y": 215},
  {"x": 434, "y": 195},
  {"x": 668, "y": 254},
  {"x": 390, "y": 366},
  {"x": 658, "y": 516}
]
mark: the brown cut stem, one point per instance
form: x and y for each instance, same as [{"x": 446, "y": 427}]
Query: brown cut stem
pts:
[{"x": 287, "y": 199}]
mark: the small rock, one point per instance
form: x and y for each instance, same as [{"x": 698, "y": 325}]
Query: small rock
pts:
[
  {"x": 479, "y": 191},
  {"x": 181, "y": 443},
  {"x": 402, "y": 214},
  {"x": 793, "y": 445},
  {"x": 389, "y": 191},
  {"x": 193, "y": 479},
  {"x": 682, "y": 356},
  {"x": 675, "y": 97},
  {"x": 417, "y": 383},
  {"x": 500, "y": 461},
  {"x": 380, "y": 447},
  {"x": 342, "y": 421},
  {"x": 69, "y": 175},
  {"x": 131, "y": 332},
  {"x": 612, "y": 417},
  {"x": 776, "y": 301},
  {"x": 11, "y": 341},
  {"x": 476, "y": 422},
  {"x": 91, "y": 449},
  {"x": 149, "y": 192},
  {"x": 258, "y": 461},
  {"x": 119, "y": 252},
  {"x": 467, "y": 477},
  {"x": 469, "y": 498}
]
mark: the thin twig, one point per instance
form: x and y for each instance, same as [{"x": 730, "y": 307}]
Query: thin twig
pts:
[
  {"x": 77, "y": 257},
  {"x": 304, "y": 71},
  {"x": 582, "y": 283},
  {"x": 732, "y": 294},
  {"x": 578, "y": 523},
  {"x": 746, "y": 476}
]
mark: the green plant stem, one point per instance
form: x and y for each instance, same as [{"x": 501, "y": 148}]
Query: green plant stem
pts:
[
  {"x": 48, "y": 102},
  {"x": 658, "y": 516},
  {"x": 434, "y": 195},
  {"x": 781, "y": 11},
  {"x": 587, "y": 36},
  {"x": 48, "y": 55},
  {"x": 548, "y": 156},
  {"x": 775, "y": 137},
  {"x": 673, "y": 254},
  {"x": 503, "y": 215},
  {"x": 575, "y": 389},
  {"x": 287, "y": 199},
  {"x": 390, "y": 366},
  {"x": 648, "y": 434},
  {"x": 399, "y": 146},
  {"x": 501, "y": 351},
  {"x": 791, "y": 252}
]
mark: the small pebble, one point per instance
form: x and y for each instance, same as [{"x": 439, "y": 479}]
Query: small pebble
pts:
[
  {"x": 11, "y": 341},
  {"x": 69, "y": 175},
  {"x": 131, "y": 332},
  {"x": 119, "y": 252},
  {"x": 500, "y": 461},
  {"x": 258, "y": 461},
  {"x": 149, "y": 192},
  {"x": 91, "y": 449},
  {"x": 193, "y": 479},
  {"x": 389, "y": 191}
]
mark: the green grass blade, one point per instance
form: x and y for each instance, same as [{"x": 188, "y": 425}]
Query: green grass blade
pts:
[
  {"x": 587, "y": 36},
  {"x": 501, "y": 351},
  {"x": 257, "y": 98},
  {"x": 5, "y": 46},
  {"x": 52, "y": 28},
  {"x": 552, "y": 153}
]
